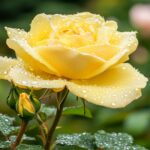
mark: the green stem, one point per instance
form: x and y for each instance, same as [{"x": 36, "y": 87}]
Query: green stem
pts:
[
  {"x": 20, "y": 134},
  {"x": 55, "y": 122}
]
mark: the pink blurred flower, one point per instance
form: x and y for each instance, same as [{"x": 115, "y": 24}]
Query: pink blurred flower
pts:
[
  {"x": 140, "y": 18},
  {"x": 140, "y": 56}
]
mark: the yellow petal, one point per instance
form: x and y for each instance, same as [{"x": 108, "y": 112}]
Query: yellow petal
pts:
[
  {"x": 111, "y": 24},
  {"x": 70, "y": 63},
  {"x": 103, "y": 51},
  {"x": 127, "y": 40},
  {"x": 127, "y": 44},
  {"x": 26, "y": 79},
  {"x": 28, "y": 54},
  {"x": 105, "y": 32},
  {"x": 5, "y": 66},
  {"x": 40, "y": 29},
  {"x": 25, "y": 103},
  {"x": 87, "y": 15},
  {"x": 16, "y": 33},
  {"x": 75, "y": 41},
  {"x": 115, "y": 88}
]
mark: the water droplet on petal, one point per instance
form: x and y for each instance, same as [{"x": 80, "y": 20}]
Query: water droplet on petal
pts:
[
  {"x": 5, "y": 72},
  {"x": 138, "y": 79},
  {"x": 124, "y": 68},
  {"x": 113, "y": 104},
  {"x": 24, "y": 82},
  {"x": 137, "y": 89},
  {"x": 84, "y": 91},
  {"x": 126, "y": 95}
]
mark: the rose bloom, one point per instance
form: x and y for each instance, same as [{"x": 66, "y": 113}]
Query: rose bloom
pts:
[
  {"x": 83, "y": 52},
  {"x": 140, "y": 18}
]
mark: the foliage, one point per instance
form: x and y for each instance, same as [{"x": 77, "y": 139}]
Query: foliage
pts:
[
  {"x": 83, "y": 140},
  {"x": 101, "y": 139},
  {"x": 6, "y": 123},
  {"x": 29, "y": 147}
]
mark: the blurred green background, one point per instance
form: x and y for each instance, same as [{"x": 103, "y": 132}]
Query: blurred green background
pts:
[{"x": 134, "y": 119}]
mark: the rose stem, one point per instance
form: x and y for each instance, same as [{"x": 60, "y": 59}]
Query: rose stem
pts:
[
  {"x": 55, "y": 122},
  {"x": 20, "y": 134}
]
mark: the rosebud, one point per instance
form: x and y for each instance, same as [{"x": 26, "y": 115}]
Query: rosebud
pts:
[
  {"x": 12, "y": 98},
  {"x": 27, "y": 106}
]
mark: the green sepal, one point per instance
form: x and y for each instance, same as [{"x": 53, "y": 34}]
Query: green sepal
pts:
[
  {"x": 36, "y": 103},
  {"x": 12, "y": 98}
]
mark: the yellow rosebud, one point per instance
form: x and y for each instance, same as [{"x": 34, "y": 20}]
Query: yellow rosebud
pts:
[{"x": 27, "y": 106}]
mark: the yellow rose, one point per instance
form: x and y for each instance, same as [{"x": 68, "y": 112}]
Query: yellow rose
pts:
[{"x": 82, "y": 51}]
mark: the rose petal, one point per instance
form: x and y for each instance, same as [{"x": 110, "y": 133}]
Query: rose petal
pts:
[
  {"x": 40, "y": 29},
  {"x": 103, "y": 51},
  {"x": 27, "y": 54},
  {"x": 126, "y": 40},
  {"x": 16, "y": 33},
  {"x": 74, "y": 41},
  {"x": 88, "y": 15},
  {"x": 69, "y": 62},
  {"x": 5, "y": 66},
  {"x": 115, "y": 88},
  {"x": 111, "y": 24},
  {"x": 105, "y": 32},
  {"x": 26, "y": 79},
  {"x": 127, "y": 44}
]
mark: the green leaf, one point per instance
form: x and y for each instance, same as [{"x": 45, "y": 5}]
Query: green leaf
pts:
[
  {"x": 29, "y": 147},
  {"x": 48, "y": 111},
  {"x": 77, "y": 110},
  {"x": 101, "y": 139},
  {"x": 28, "y": 138},
  {"x": 126, "y": 148},
  {"x": 24, "y": 138},
  {"x": 83, "y": 140},
  {"x": 136, "y": 147},
  {"x": 6, "y": 125},
  {"x": 109, "y": 140},
  {"x": 132, "y": 124},
  {"x": 5, "y": 144}
]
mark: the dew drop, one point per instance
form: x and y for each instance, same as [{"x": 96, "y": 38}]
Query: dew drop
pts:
[
  {"x": 113, "y": 104},
  {"x": 138, "y": 78},
  {"x": 34, "y": 82},
  {"x": 137, "y": 89},
  {"x": 124, "y": 68},
  {"x": 5, "y": 72},
  {"x": 24, "y": 82},
  {"x": 84, "y": 91},
  {"x": 6, "y": 120},
  {"x": 126, "y": 95}
]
